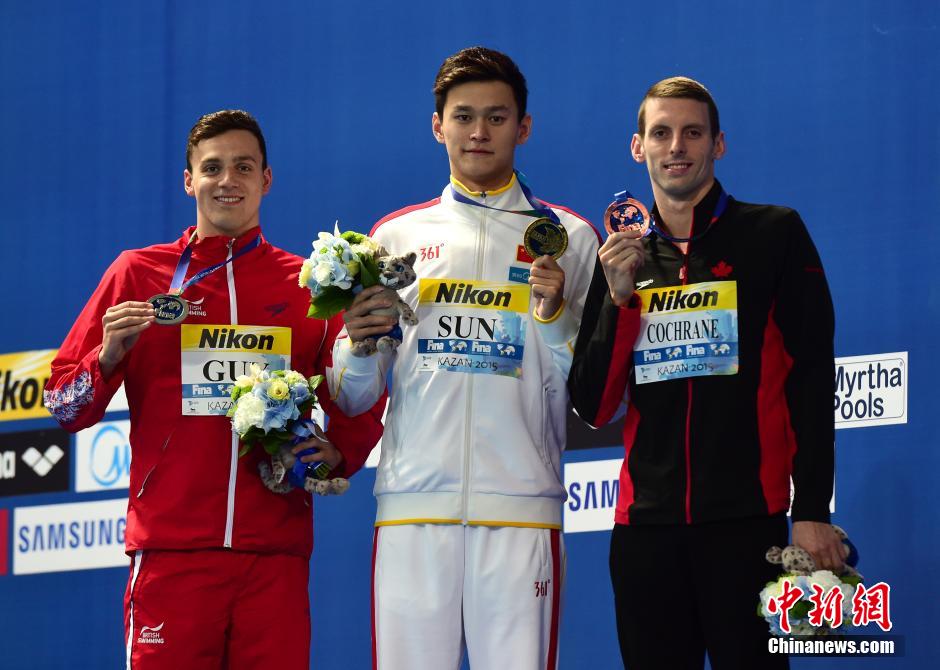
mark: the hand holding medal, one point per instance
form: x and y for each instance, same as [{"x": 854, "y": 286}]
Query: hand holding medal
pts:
[
  {"x": 627, "y": 221},
  {"x": 122, "y": 325}
]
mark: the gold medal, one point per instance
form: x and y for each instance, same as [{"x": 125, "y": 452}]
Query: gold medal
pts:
[{"x": 544, "y": 237}]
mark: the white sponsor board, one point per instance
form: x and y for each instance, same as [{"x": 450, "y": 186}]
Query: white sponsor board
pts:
[
  {"x": 118, "y": 401},
  {"x": 72, "y": 536},
  {"x": 592, "y": 488},
  {"x": 103, "y": 457},
  {"x": 871, "y": 390}
]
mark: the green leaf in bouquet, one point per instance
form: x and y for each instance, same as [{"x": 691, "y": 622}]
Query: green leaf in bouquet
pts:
[
  {"x": 800, "y": 610},
  {"x": 851, "y": 580},
  {"x": 315, "y": 382},
  {"x": 353, "y": 237},
  {"x": 272, "y": 442},
  {"x": 245, "y": 448},
  {"x": 368, "y": 272},
  {"x": 331, "y": 302}
]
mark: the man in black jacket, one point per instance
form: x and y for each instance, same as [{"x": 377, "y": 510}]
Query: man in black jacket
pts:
[{"x": 716, "y": 331}]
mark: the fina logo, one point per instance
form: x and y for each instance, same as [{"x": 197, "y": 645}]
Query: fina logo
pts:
[{"x": 103, "y": 457}]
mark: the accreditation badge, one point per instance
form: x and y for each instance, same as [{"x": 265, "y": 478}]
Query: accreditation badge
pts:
[
  {"x": 473, "y": 327},
  {"x": 687, "y": 331},
  {"x": 213, "y": 356}
]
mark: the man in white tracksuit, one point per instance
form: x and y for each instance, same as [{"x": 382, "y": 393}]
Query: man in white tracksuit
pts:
[{"x": 468, "y": 550}]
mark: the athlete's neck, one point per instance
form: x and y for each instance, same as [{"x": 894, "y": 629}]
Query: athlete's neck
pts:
[
  {"x": 490, "y": 187},
  {"x": 676, "y": 214},
  {"x": 205, "y": 229}
]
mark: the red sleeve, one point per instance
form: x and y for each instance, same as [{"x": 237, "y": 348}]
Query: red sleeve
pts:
[
  {"x": 603, "y": 354},
  {"x": 354, "y": 436},
  {"x": 77, "y": 392}
]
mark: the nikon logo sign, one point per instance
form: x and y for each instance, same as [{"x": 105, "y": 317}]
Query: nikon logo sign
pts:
[
  {"x": 466, "y": 294},
  {"x": 23, "y": 376},
  {"x": 229, "y": 338}
]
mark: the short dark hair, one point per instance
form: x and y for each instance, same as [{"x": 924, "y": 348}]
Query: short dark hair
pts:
[
  {"x": 680, "y": 87},
  {"x": 216, "y": 123},
  {"x": 479, "y": 64}
]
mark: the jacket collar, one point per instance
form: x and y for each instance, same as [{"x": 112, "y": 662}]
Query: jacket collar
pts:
[
  {"x": 701, "y": 214},
  {"x": 218, "y": 245}
]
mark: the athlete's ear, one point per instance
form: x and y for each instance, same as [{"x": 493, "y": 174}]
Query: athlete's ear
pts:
[
  {"x": 266, "y": 178},
  {"x": 525, "y": 129},
  {"x": 188, "y": 183},
  {"x": 437, "y": 128},
  {"x": 719, "y": 149},
  {"x": 636, "y": 149}
]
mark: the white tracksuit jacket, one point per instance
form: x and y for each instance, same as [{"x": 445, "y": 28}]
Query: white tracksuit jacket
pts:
[{"x": 476, "y": 424}]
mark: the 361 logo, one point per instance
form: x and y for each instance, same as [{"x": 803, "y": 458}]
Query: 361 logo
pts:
[
  {"x": 431, "y": 253},
  {"x": 541, "y": 588}
]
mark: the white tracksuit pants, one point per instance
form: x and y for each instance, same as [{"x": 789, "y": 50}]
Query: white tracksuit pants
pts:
[{"x": 439, "y": 588}]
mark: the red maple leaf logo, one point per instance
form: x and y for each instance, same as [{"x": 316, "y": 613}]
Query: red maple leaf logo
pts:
[{"x": 722, "y": 270}]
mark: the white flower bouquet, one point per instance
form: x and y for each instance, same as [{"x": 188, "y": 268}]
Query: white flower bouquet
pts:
[
  {"x": 340, "y": 266},
  {"x": 268, "y": 409},
  {"x": 820, "y": 603}
]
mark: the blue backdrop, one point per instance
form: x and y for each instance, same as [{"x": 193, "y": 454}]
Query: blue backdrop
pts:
[{"x": 828, "y": 106}]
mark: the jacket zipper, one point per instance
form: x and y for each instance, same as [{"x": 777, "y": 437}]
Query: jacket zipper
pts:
[
  {"x": 233, "y": 463},
  {"x": 468, "y": 419},
  {"x": 688, "y": 410}
]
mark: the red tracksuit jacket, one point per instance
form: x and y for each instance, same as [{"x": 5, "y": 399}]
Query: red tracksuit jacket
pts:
[{"x": 188, "y": 489}]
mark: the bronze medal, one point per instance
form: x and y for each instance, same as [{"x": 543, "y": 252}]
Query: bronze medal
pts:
[{"x": 627, "y": 215}]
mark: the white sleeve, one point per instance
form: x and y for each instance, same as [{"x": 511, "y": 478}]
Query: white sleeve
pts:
[
  {"x": 559, "y": 334},
  {"x": 356, "y": 383}
]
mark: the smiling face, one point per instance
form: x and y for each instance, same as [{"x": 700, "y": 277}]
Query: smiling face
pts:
[
  {"x": 481, "y": 129},
  {"x": 227, "y": 181},
  {"x": 678, "y": 148}
]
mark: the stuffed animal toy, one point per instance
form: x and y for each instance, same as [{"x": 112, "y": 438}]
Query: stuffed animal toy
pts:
[
  {"x": 796, "y": 560},
  {"x": 286, "y": 471},
  {"x": 283, "y": 463},
  {"x": 395, "y": 273}
]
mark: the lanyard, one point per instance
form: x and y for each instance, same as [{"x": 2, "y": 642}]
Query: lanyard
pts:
[
  {"x": 177, "y": 286},
  {"x": 538, "y": 211},
  {"x": 720, "y": 207}
]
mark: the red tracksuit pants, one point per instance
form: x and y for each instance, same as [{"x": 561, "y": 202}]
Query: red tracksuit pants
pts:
[{"x": 217, "y": 609}]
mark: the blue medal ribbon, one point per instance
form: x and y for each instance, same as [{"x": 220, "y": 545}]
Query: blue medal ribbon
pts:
[
  {"x": 720, "y": 207},
  {"x": 538, "y": 210},
  {"x": 177, "y": 286},
  {"x": 297, "y": 475}
]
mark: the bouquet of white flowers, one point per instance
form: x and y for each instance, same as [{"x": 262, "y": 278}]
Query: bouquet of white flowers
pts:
[
  {"x": 268, "y": 409},
  {"x": 820, "y": 603},
  {"x": 341, "y": 265}
]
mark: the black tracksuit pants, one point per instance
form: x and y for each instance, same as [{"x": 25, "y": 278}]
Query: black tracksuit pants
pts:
[{"x": 682, "y": 590}]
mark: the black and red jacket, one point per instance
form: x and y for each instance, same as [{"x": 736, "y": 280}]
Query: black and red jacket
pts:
[{"x": 713, "y": 448}]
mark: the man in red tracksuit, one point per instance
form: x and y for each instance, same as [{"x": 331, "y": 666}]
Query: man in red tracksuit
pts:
[{"x": 219, "y": 563}]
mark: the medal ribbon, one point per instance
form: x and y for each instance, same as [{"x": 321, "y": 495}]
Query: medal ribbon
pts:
[
  {"x": 177, "y": 286},
  {"x": 720, "y": 207},
  {"x": 537, "y": 212}
]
